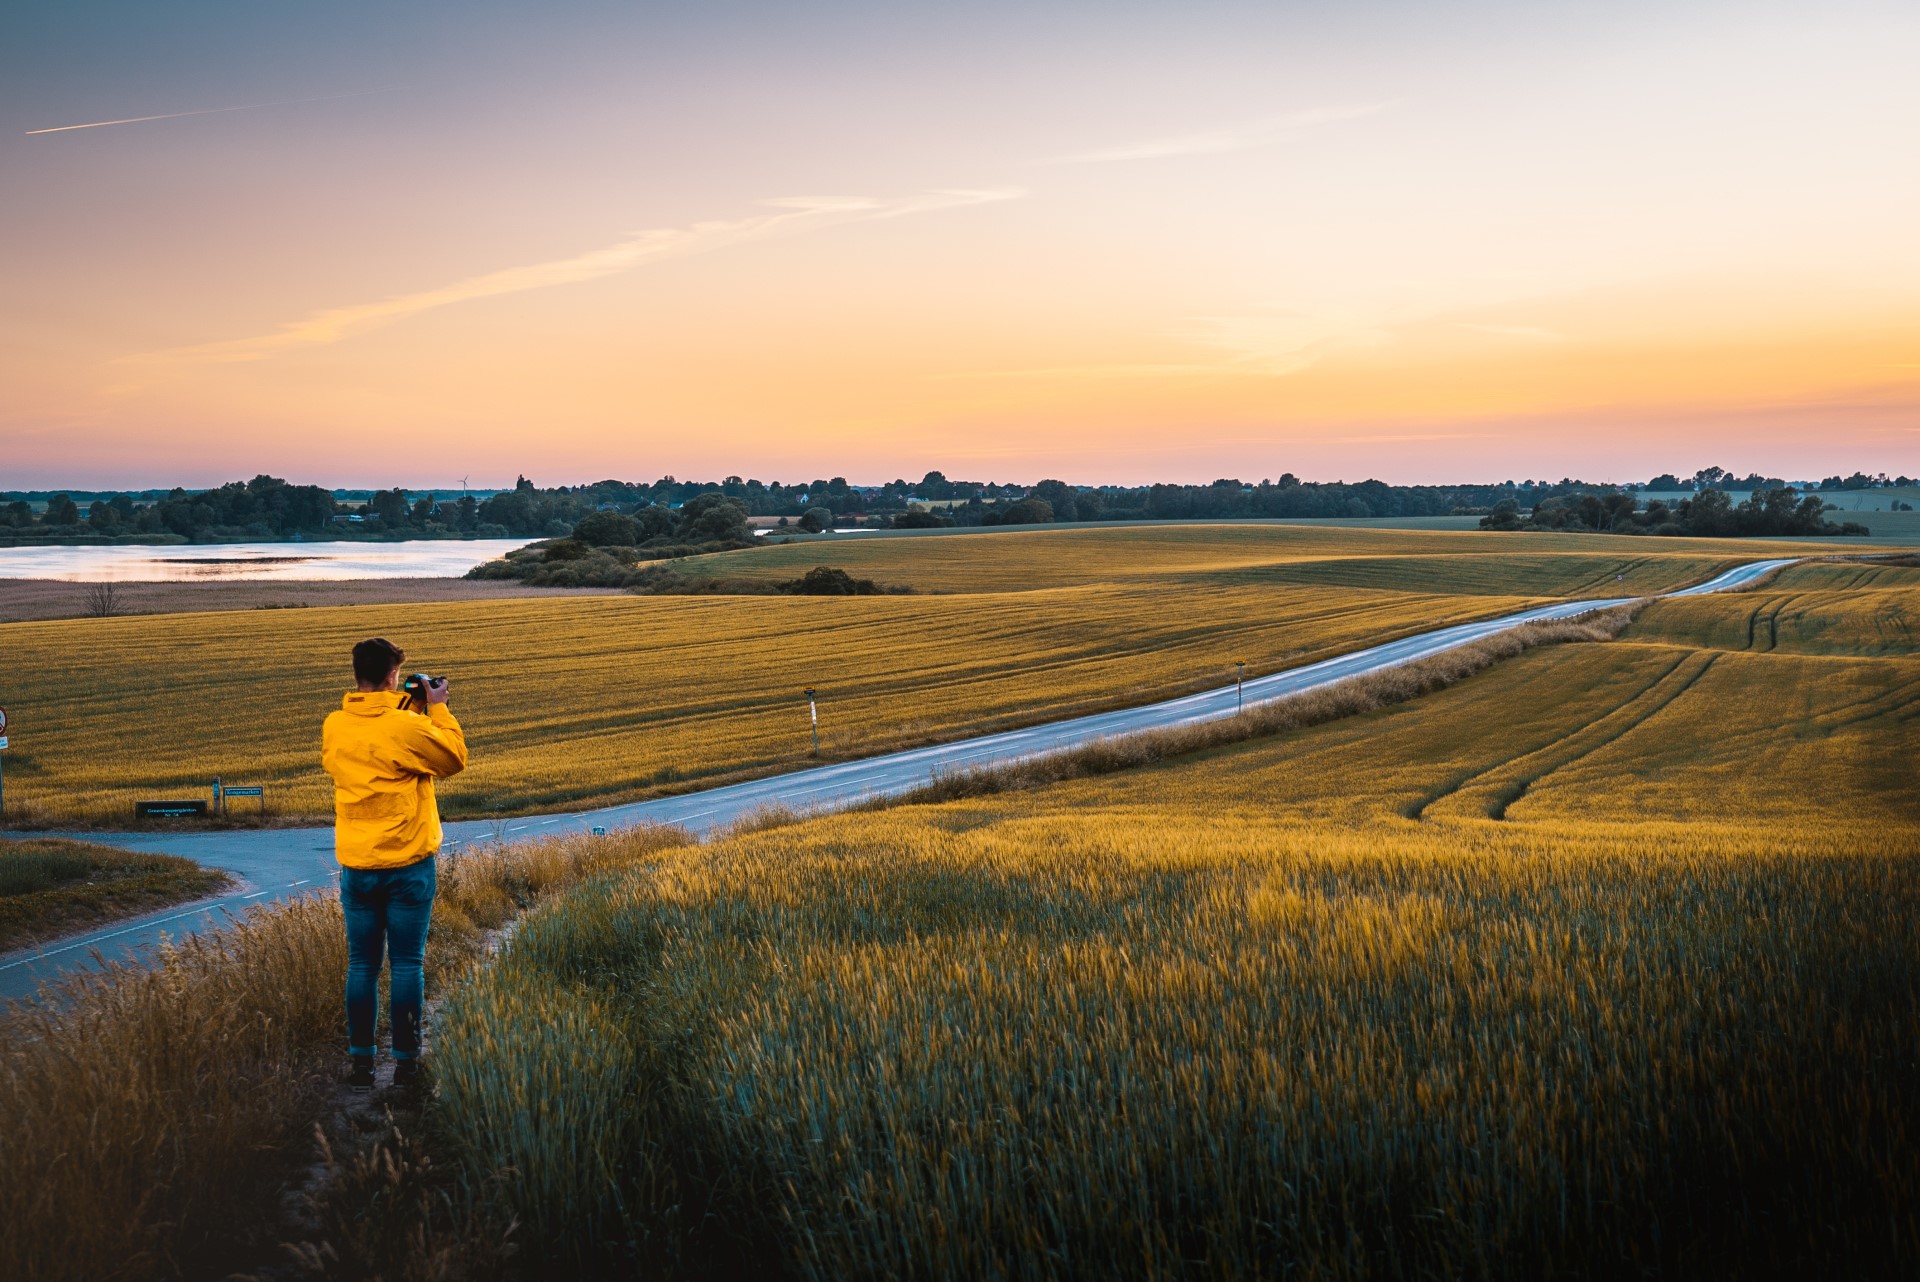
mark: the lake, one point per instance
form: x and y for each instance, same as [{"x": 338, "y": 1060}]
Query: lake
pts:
[{"x": 278, "y": 562}]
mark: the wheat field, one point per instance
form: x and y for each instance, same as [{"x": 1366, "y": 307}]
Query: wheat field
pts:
[
  {"x": 575, "y": 701},
  {"x": 1598, "y": 963},
  {"x": 1020, "y": 559}
]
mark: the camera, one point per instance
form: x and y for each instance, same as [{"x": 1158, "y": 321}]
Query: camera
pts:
[{"x": 414, "y": 688}]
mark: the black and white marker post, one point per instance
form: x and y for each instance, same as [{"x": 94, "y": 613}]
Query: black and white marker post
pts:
[
  {"x": 3, "y": 748},
  {"x": 813, "y": 711}
]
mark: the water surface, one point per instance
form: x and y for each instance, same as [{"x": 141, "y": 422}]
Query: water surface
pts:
[{"x": 259, "y": 562}]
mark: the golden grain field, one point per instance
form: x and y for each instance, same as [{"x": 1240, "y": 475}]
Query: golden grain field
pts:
[
  {"x": 573, "y": 701},
  {"x": 1407, "y": 560},
  {"x": 1598, "y": 963}
]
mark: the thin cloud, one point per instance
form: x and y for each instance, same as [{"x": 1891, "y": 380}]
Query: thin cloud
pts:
[
  {"x": 795, "y": 214},
  {"x": 207, "y": 111},
  {"x": 1526, "y": 333},
  {"x": 1116, "y": 370},
  {"x": 1217, "y": 142}
]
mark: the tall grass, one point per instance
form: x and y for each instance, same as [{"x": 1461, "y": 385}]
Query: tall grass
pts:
[
  {"x": 154, "y": 1116},
  {"x": 143, "y": 1107},
  {"x": 1644, "y": 1008},
  {"x": 1062, "y": 1044}
]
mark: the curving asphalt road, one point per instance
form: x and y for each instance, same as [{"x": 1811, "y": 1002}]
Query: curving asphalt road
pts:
[{"x": 279, "y": 863}]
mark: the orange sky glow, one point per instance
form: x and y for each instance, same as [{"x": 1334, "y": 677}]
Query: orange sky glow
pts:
[{"x": 1111, "y": 244}]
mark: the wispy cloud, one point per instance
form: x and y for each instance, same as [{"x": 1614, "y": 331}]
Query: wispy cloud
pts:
[
  {"x": 1230, "y": 138},
  {"x": 1271, "y": 343},
  {"x": 1280, "y": 341},
  {"x": 1524, "y": 333},
  {"x": 792, "y": 215},
  {"x": 206, "y": 111}
]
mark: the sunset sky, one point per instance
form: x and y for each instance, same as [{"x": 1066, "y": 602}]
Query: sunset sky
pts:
[{"x": 1113, "y": 242}]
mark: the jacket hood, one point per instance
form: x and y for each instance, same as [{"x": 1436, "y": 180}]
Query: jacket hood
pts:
[{"x": 370, "y": 703}]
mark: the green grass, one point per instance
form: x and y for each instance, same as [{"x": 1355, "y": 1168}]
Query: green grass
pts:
[{"x": 50, "y": 887}]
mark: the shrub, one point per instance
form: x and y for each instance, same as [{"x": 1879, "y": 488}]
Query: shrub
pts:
[{"x": 608, "y": 529}]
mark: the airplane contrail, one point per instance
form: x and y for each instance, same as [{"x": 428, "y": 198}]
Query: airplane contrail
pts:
[{"x": 207, "y": 111}]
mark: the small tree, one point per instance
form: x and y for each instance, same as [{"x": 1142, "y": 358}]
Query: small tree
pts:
[
  {"x": 713, "y": 518},
  {"x": 102, "y": 599},
  {"x": 816, "y": 519}
]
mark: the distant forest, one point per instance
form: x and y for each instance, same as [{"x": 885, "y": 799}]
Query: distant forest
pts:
[{"x": 268, "y": 508}]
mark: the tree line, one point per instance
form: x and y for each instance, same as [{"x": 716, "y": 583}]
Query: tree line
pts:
[
  {"x": 1710, "y": 513},
  {"x": 673, "y": 513}
]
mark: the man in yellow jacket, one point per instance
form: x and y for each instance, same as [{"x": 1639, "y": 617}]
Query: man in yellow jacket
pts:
[{"x": 384, "y": 754}]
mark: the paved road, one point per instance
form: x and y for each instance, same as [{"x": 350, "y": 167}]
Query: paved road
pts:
[{"x": 278, "y": 863}]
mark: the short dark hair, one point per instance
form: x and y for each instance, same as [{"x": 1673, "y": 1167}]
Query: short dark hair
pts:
[{"x": 375, "y": 659}]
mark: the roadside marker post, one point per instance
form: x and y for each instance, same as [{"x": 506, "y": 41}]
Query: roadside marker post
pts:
[
  {"x": 3, "y": 748},
  {"x": 813, "y": 711},
  {"x": 1240, "y": 687}
]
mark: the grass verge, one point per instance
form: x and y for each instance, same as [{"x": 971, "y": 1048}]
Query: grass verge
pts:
[{"x": 51, "y": 887}]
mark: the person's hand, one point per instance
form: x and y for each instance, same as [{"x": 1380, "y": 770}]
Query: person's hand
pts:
[{"x": 437, "y": 691}]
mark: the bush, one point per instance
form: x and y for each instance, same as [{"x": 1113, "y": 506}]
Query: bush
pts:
[
  {"x": 608, "y": 529},
  {"x": 816, "y": 519},
  {"x": 825, "y": 580},
  {"x": 918, "y": 520},
  {"x": 1027, "y": 512}
]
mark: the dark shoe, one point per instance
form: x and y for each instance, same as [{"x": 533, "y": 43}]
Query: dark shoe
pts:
[
  {"x": 405, "y": 1073},
  {"x": 360, "y": 1076}
]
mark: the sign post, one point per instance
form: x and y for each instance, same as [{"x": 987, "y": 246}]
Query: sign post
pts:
[
  {"x": 3, "y": 748},
  {"x": 1240, "y": 687}
]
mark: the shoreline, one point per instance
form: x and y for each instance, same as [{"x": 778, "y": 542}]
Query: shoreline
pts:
[{"x": 35, "y": 600}]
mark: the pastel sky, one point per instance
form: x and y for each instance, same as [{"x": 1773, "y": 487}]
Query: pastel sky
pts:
[{"x": 1112, "y": 242}]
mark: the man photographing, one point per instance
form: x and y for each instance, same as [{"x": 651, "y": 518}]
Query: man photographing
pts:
[{"x": 384, "y": 748}]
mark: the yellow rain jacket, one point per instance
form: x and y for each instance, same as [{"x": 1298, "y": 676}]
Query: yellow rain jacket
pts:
[{"x": 384, "y": 759}]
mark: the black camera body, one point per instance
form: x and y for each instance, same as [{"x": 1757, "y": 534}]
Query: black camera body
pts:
[{"x": 414, "y": 689}]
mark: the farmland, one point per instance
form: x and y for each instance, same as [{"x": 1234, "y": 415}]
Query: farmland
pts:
[
  {"x": 1549, "y": 564},
  {"x": 576, "y": 700},
  {"x": 1597, "y": 963}
]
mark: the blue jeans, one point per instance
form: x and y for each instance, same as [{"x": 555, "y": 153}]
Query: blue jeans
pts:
[{"x": 386, "y": 908}]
